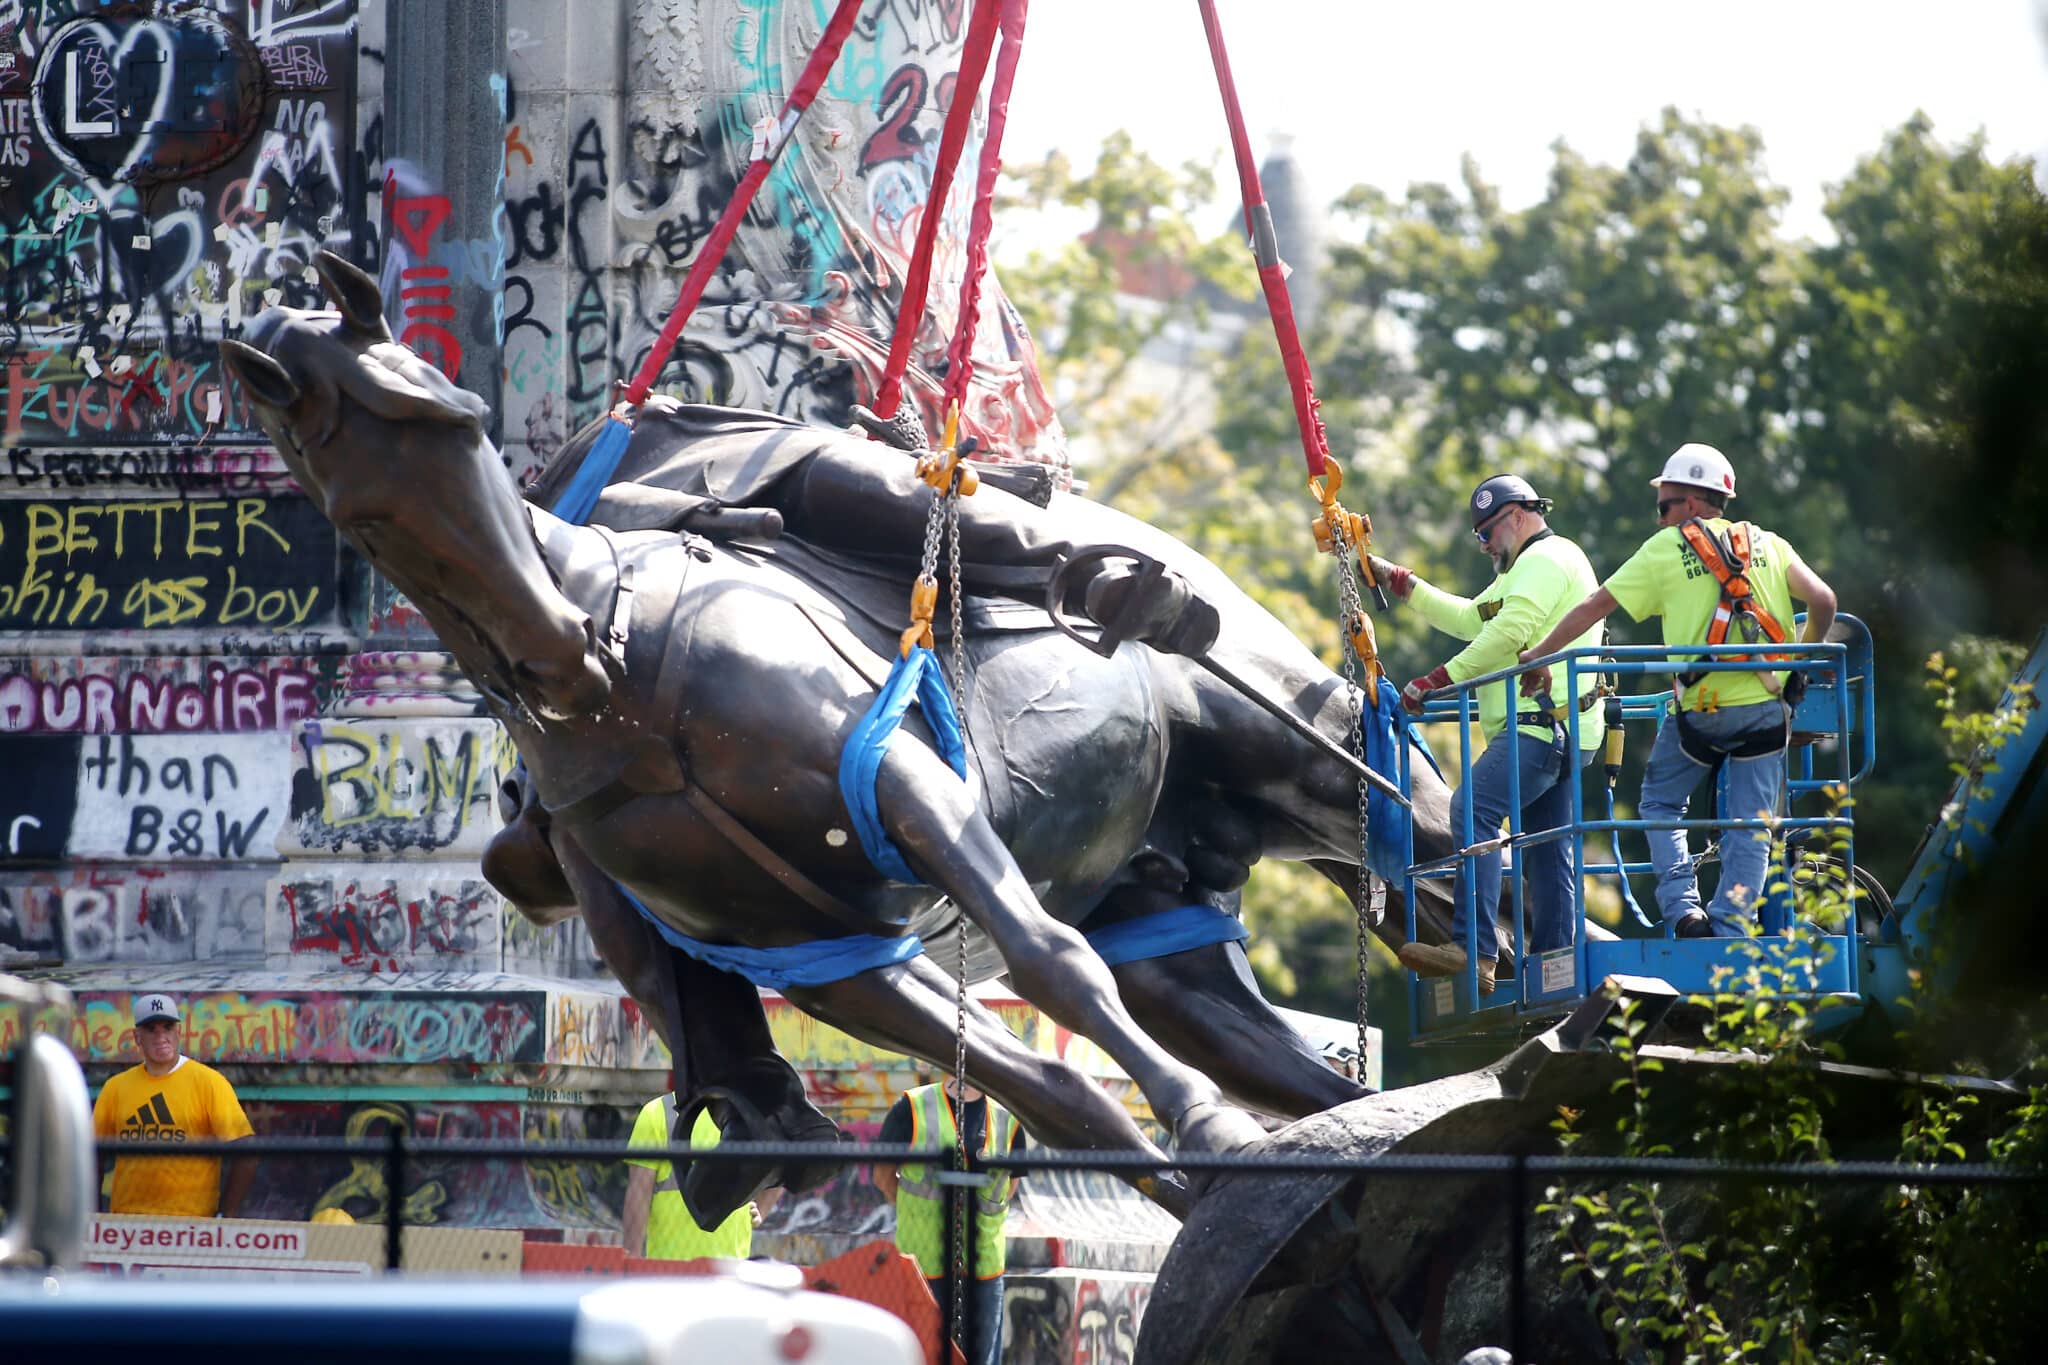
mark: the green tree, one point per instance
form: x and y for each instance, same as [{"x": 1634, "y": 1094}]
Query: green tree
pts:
[{"x": 1884, "y": 397}]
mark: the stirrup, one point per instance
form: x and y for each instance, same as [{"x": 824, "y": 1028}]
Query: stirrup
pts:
[
  {"x": 905, "y": 431},
  {"x": 713, "y": 1190}
]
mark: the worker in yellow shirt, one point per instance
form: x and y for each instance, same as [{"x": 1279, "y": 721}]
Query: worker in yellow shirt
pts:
[
  {"x": 1538, "y": 576},
  {"x": 947, "y": 1116},
  {"x": 171, "y": 1098},
  {"x": 657, "y": 1221},
  {"x": 1714, "y": 582}
]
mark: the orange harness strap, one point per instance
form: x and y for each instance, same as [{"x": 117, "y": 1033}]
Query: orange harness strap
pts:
[{"x": 1729, "y": 564}]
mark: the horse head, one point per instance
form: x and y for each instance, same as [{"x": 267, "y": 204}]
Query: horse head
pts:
[{"x": 395, "y": 454}]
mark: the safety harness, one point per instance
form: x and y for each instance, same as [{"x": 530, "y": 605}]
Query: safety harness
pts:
[{"x": 1739, "y": 610}]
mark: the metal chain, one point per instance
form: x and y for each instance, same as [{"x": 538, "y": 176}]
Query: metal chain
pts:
[
  {"x": 963, "y": 1223},
  {"x": 934, "y": 519},
  {"x": 1351, "y": 607},
  {"x": 960, "y": 679}
]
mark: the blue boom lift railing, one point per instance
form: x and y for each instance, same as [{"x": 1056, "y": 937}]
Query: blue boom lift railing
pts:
[{"x": 1837, "y": 712}]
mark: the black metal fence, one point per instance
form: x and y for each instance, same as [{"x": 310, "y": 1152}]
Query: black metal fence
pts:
[{"x": 1522, "y": 1180}]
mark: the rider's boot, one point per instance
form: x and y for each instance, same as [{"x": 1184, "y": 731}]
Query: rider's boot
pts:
[{"x": 1158, "y": 609}]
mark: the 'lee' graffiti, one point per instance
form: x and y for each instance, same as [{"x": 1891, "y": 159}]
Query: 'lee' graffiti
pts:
[{"x": 250, "y": 563}]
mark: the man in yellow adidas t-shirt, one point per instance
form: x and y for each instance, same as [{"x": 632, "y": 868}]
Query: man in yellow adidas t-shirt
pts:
[
  {"x": 657, "y": 1222},
  {"x": 171, "y": 1098},
  {"x": 1739, "y": 717}
]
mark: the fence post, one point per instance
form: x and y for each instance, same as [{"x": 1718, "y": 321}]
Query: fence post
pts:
[
  {"x": 964, "y": 1293},
  {"x": 1518, "y": 1252},
  {"x": 949, "y": 1248},
  {"x": 394, "y": 1198}
]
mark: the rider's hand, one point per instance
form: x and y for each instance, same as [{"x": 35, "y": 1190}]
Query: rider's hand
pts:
[
  {"x": 1536, "y": 681},
  {"x": 1417, "y": 691},
  {"x": 1395, "y": 578}
]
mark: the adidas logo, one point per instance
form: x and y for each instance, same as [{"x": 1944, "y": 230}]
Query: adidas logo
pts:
[{"x": 153, "y": 1123}]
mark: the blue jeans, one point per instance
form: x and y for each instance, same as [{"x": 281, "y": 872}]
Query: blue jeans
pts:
[
  {"x": 985, "y": 1307},
  {"x": 1755, "y": 788},
  {"x": 1546, "y": 868}
]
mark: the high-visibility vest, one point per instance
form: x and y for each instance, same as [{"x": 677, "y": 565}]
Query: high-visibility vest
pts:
[
  {"x": 681, "y": 1237},
  {"x": 920, "y": 1212},
  {"x": 1729, "y": 564}
]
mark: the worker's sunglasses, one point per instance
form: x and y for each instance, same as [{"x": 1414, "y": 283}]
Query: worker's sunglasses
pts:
[
  {"x": 1484, "y": 534},
  {"x": 1664, "y": 506}
]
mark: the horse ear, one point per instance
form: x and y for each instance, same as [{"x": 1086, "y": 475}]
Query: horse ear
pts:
[
  {"x": 266, "y": 380},
  {"x": 355, "y": 294}
]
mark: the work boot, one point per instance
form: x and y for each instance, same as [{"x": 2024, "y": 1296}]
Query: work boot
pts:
[
  {"x": 1695, "y": 925},
  {"x": 1161, "y": 610},
  {"x": 1443, "y": 959}
]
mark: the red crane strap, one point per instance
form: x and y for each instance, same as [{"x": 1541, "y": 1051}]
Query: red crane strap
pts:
[
  {"x": 981, "y": 34},
  {"x": 1258, "y": 223},
  {"x": 960, "y": 358}
]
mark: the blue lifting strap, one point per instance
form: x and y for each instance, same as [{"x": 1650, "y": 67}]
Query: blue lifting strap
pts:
[
  {"x": 920, "y": 678},
  {"x": 1384, "y": 817}
]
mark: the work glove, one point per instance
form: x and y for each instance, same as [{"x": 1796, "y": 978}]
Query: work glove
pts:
[
  {"x": 1417, "y": 691},
  {"x": 1395, "y": 578}
]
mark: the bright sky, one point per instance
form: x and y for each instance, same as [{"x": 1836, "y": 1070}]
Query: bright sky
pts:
[{"x": 1390, "y": 93}]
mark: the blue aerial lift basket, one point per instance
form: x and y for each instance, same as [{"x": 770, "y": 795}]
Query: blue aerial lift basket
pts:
[{"x": 1832, "y": 730}]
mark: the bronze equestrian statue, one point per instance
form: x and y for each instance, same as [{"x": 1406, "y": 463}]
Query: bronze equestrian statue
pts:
[{"x": 680, "y": 704}]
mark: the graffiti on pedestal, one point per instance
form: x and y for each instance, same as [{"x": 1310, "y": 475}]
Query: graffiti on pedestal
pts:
[
  {"x": 251, "y": 565},
  {"x": 390, "y": 924},
  {"x": 603, "y": 223},
  {"x": 1074, "y": 1320},
  {"x": 392, "y": 787},
  {"x": 602, "y": 1030},
  {"x": 389, "y": 1027},
  {"x": 443, "y": 1191},
  {"x": 86, "y": 915},
  {"x": 55, "y": 694},
  {"x": 562, "y": 949},
  {"x": 142, "y": 797},
  {"x": 174, "y": 469},
  {"x": 165, "y": 172},
  {"x": 577, "y": 1194}
]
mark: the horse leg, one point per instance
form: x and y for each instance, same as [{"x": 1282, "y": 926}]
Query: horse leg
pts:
[
  {"x": 932, "y": 817},
  {"x": 1204, "y": 1007},
  {"x": 913, "y": 1008},
  {"x": 716, "y": 1030}
]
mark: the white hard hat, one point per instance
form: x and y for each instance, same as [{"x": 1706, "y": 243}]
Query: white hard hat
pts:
[{"x": 1700, "y": 466}]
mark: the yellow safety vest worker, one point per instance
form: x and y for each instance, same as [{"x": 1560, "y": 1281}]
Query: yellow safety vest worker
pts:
[
  {"x": 672, "y": 1234},
  {"x": 920, "y": 1211}
]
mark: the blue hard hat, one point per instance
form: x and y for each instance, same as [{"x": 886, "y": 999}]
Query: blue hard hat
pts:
[{"x": 1505, "y": 490}]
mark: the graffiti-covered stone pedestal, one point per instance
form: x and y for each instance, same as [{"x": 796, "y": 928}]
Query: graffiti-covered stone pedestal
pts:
[
  {"x": 350, "y": 971},
  {"x": 433, "y": 1003}
]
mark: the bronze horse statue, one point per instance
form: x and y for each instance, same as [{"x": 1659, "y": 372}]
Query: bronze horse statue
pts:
[{"x": 680, "y": 705}]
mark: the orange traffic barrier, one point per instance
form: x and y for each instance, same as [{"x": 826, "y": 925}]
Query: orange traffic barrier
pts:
[
  {"x": 556, "y": 1258},
  {"x": 881, "y": 1275}
]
